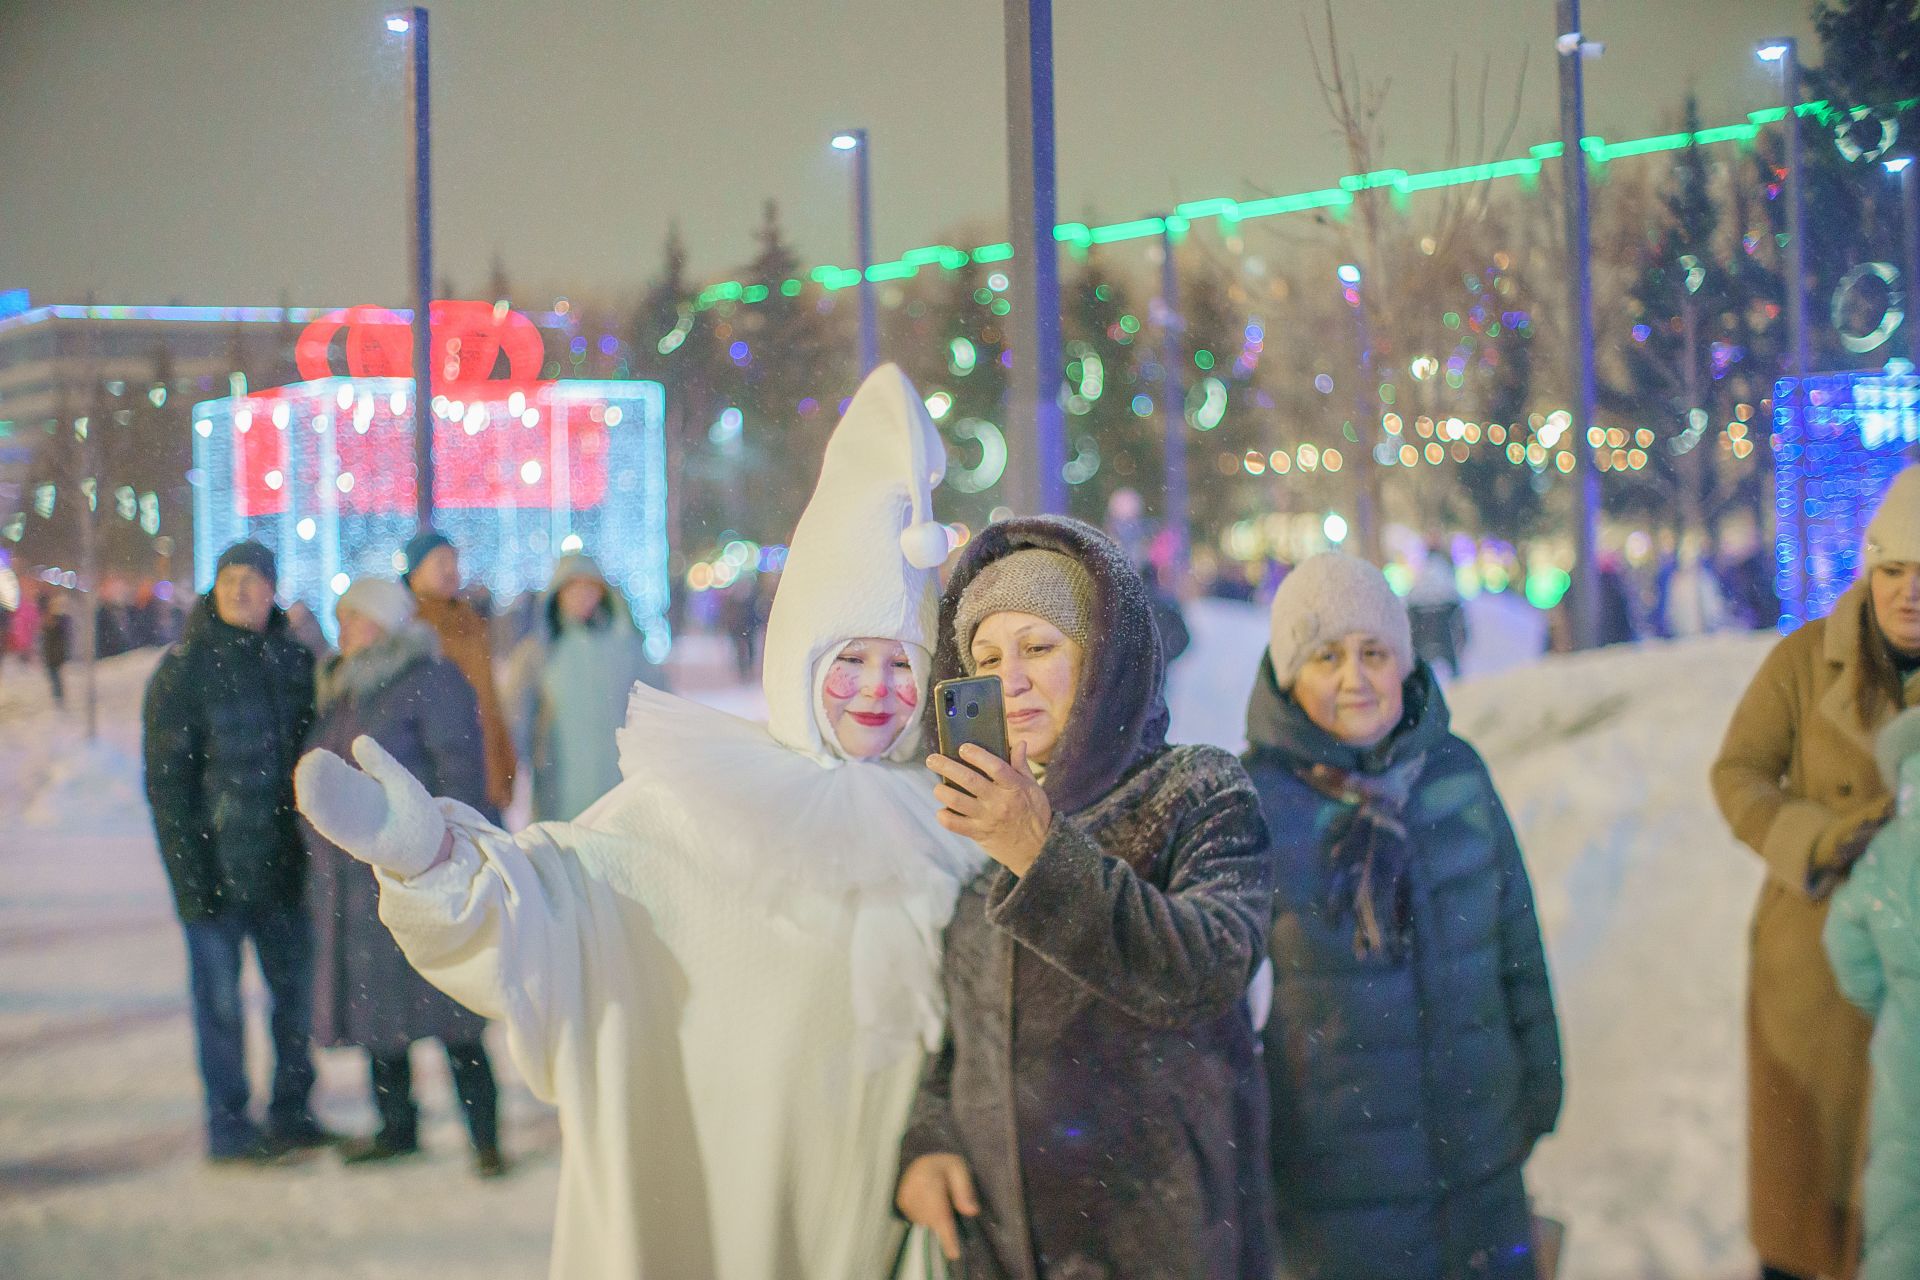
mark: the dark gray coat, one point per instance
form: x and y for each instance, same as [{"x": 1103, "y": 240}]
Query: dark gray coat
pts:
[
  {"x": 1406, "y": 1093},
  {"x": 1099, "y": 1075},
  {"x": 418, "y": 706}
]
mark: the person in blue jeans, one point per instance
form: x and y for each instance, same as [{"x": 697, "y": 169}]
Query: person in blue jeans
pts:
[{"x": 222, "y": 724}]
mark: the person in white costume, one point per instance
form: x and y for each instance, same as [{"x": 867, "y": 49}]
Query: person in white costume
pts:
[{"x": 725, "y": 973}]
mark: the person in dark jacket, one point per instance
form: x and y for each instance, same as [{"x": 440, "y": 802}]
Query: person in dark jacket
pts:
[
  {"x": 223, "y": 722},
  {"x": 1097, "y": 1107},
  {"x": 390, "y": 683},
  {"x": 1412, "y": 1051},
  {"x": 56, "y": 644}
]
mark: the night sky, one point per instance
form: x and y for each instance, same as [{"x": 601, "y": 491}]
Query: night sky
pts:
[{"x": 245, "y": 151}]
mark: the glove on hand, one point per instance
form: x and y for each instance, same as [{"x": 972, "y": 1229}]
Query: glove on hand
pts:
[
  {"x": 1842, "y": 843},
  {"x": 383, "y": 817}
]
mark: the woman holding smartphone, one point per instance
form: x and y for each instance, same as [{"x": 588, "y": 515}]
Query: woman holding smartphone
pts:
[{"x": 1097, "y": 1108}]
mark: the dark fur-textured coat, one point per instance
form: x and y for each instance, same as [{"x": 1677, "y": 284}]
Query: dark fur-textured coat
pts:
[
  {"x": 222, "y": 723},
  {"x": 1099, "y": 1074},
  {"x": 1406, "y": 1091},
  {"x": 417, "y": 705}
]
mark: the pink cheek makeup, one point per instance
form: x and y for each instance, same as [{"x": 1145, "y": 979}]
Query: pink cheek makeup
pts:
[
  {"x": 841, "y": 683},
  {"x": 909, "y": 694}
]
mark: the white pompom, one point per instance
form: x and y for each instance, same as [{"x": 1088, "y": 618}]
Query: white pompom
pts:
[{"x": 925, "y": 544}]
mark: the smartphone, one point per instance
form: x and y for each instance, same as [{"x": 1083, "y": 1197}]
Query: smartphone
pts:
[{"x": 971, "y": 710}]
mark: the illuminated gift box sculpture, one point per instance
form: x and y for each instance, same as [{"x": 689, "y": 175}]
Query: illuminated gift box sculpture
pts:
[
  {"x": 525, "y": 470},
  {"x": 1837, "y": 463}
]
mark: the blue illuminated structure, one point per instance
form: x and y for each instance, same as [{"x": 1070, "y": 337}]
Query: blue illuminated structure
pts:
[
  {"x": 1835, "y": 465},
  {"x": 322, "y": 472}
]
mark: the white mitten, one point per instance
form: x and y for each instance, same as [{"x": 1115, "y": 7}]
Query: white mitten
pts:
[{"x": 383, "y": 817}]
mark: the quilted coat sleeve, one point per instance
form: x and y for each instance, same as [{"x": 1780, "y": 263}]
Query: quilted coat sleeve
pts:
[
  {"x": 450, "y": 730},
  {"x": 1523, "y": 973},
  {"x": 1169, "y": 956},
  {"x": 171, "y": 743},
  {"x": 515, "y": 928},
  {"x": 1749, "y": 775},
  {"x": 1849, "y": 939}
]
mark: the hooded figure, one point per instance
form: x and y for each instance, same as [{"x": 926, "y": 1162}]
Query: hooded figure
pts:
[
  {"x": 1097, "y": 1109},
  {"x": 567, "y": 688},
  {"x": 725, "y": 972},
  {"x": 1873, "y": 939}
]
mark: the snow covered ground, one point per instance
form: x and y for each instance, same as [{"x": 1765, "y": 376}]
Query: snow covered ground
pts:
[{"x": 1601, "y": 757}]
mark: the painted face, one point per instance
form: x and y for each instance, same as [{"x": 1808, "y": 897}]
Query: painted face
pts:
[
  {"x": 357, "y": 632},
  {"x": 437, "y": 577},
  {"x": 1351, "y": 687},
  {"x": 243, "y": 597},
  {"x": 1895, "y": 586},
  {"x": 1039, "y": 670},
  {"x": 579, "y": 598},
  {"x": 870, "y": 696}
]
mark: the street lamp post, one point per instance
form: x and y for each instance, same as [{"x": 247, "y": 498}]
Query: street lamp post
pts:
[
  {"x": 1572, "y": 47},
  {"x": 1173, "y": 409},
  {"x": 1035, "y": 324},
  {"x": 1903, "y": 169},
  {"x": 411, "y": 25},
  {"x": 1786, "y": 52},
  {"x": 855, "y": 140}
]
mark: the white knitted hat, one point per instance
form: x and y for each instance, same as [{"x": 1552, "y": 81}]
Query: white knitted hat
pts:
[
  {"x": 1894, "y": 532},
  {"x": 380, "y": 600},
  {"x": 1329, "y": 596}
]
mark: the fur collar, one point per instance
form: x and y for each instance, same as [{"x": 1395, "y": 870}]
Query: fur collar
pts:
[{"x": 376, "y": 666}]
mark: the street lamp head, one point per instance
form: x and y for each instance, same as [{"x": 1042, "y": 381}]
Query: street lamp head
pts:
[
  {"x": 1348, "y": 273},
  {"x": 399, "y": 23},
  {"x": 1773, "y": 50},
  {"x": 846, "y": 140},
  {"x": 1898, "y": 164}
]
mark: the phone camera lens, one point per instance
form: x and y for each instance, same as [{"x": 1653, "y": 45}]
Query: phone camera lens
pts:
[{"x": 973, "y": 709}]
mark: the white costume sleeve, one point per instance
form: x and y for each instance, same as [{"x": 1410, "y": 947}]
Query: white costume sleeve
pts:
[{"x": 516, "y": 928}]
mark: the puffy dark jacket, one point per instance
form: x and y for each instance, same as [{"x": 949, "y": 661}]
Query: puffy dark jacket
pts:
[
  {"x": 1405, "y": 1093},
  {"x": 223, "y": 721}
]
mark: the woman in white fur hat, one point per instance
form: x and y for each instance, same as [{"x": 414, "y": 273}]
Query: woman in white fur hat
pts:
[
  {"x": 726, "y": 972},
  {"x": 390, "y": 683},
  {"x": 1412, "y": 1055}
]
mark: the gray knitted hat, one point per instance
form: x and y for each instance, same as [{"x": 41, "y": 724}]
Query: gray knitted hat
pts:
[
  {"x": 1046, "y": 584},
  {"x": 1329, "y": 596}
]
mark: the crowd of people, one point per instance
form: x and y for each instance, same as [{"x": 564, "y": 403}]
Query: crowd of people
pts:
[{"x": 814, "y": 998}]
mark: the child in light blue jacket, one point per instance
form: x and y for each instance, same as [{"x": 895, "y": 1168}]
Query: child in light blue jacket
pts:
[{"x": 1873, "y": 940}]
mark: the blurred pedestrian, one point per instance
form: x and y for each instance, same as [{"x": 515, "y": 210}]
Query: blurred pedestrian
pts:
[
  {"x": 390, "y": 683},
  {"x": 1797, "y": 782},
  {"x": 1413, "y": 1054},
  {"x": 433, "y": 572},
  {"x": 1872, "y": 937},
  {"x": 223, "y": 722},
  {"x": 567, "y": 688},
  {"x": 1436, "y": 613},
  {"x": 56, "y": 643},
  {"x": 1692, "y": 601},
  {"x": 304, "y": 627}
]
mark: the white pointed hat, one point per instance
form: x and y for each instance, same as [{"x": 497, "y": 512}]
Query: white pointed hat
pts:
[{"x": 862, "y": 561}]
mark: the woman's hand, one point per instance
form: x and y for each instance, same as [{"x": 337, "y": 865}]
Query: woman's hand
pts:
[
  {"x": 932, "y": 1189},
  {"x": 997, "y": 805}
]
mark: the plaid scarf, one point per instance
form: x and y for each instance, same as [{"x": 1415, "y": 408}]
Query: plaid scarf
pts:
[{"x": 1369, "y": 853}]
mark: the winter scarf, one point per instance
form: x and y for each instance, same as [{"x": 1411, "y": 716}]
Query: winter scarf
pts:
[
  {"x": 1370, "y": 854},
  {"x": 375, "y": 666}
]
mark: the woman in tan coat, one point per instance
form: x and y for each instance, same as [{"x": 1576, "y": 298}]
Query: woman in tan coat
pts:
[
  {"x": 433, "y": 571},
  {"x": 1796, "y": 781}
]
